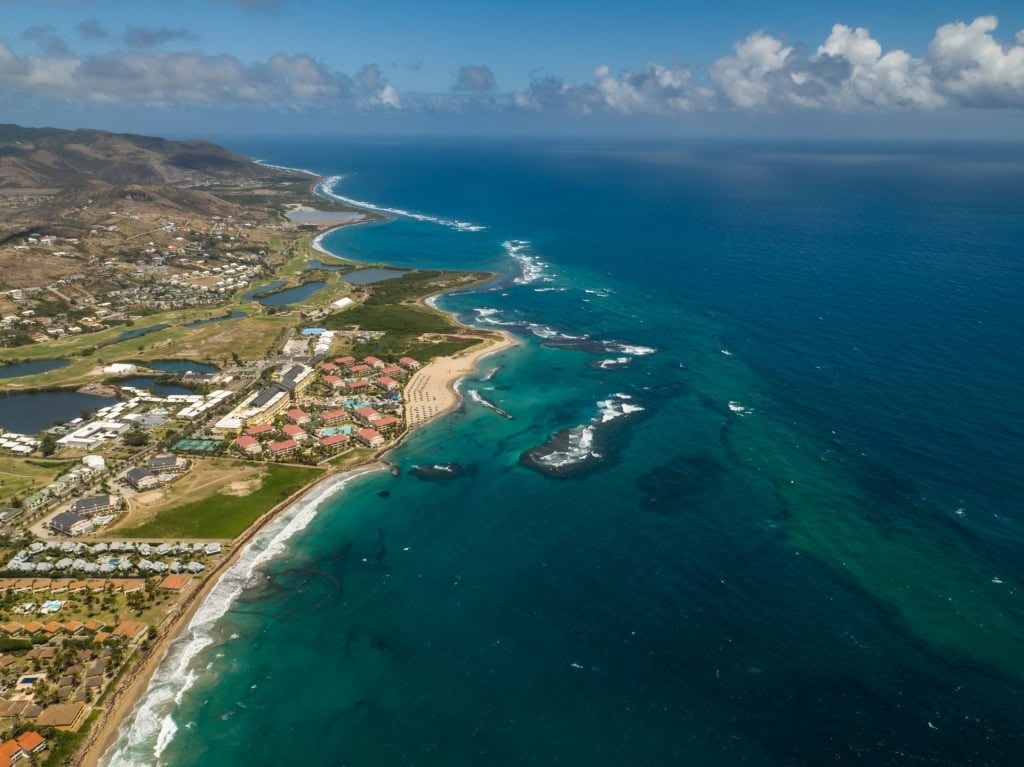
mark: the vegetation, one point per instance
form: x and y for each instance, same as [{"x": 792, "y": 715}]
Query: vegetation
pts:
[{"x": 225, "y": 516}]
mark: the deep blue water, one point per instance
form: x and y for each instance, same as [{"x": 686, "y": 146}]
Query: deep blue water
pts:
[
  {"x": 32, "y": 367},
  {"x": 293, "y": 295},
  {"x": 31, "y": 412},
  {"x": 804, "y": 549}
]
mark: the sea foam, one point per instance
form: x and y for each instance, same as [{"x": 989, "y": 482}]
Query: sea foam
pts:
[
  {"x": 329, "y": 186},
  {"x": 150, "y": 728}
]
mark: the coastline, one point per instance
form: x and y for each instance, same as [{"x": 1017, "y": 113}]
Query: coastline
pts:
[
  {"x": 434, "y": 389},
  {"x": 132, "y": 690}
]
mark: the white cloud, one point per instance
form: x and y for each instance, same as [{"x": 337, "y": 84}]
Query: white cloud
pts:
[{"x": 974, "y": 68}]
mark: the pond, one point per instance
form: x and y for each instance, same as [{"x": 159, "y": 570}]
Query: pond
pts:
[
  {"x": 293, "y": 295},
  {"x": 31, "y": 368},
  {"x": 210, "y": 320},
  {"x": 250, "y": 294},
  {"x": 317, "y": 265},
  {"x": 134, "y": 333},
  {"x": 372, "y": 275},
  {"x": 179, "y": 366},
  {"x": 31, "y": 412},
  {"x": 149, "y": 382}
]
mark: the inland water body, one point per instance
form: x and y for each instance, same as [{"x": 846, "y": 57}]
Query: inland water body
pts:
[{"x": 757, "y": 502}]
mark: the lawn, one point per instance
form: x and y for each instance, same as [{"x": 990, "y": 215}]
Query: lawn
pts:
[
  {"x": 20, "y": 476},
  {"x": 223, "y": 516}
]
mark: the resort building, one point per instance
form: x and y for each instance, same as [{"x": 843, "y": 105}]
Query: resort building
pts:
[
  {"x": 392, "y": 370},
  {"x": 408, "y": 363},
  {"x": 248, "y": 445},
  {"x": 69, "y": 523},
  {"x": 358, "y": 384},
  {"x": 334, "y": 442},
  {"x": 346, "y": 361},
  {"x": 263, "y": 430},
  {"x": 297, "y": 378},
  {"x": 283, "y": 448},
  {"x": 386, "y": 422},
  {"x": 387, "y": 383},
  {"x": 329, "y": 367},
  {"x": 332, "y": 417},
  {"x": 294, "y": 432},
  {"x": 360, "y": 369},
  {"x": 367, "y": 415},
  {"x": 297, "y": 416},
  {"x": 96, "y": 504},
  {"x": 142, "y": 479},
  {"x": 374, "y": 362},
  {"x": 370, "y": 437},
  {"x": 167, "y": 464}
]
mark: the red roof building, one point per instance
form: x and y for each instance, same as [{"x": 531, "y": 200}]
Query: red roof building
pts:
[
  {"x": 370, "y": 437},
  {"x": 358, "y": 369},
  {"x": 333, "y": 381},
  {"x": 367, "y": 414},
  {"x": 248, "y": 445},
  {"x": 331, "y": 417},
  {"x": 328, "y": 367},
  {"x": 385, "y": 422},
  {"x": 284, "y": 447},
  {"x": 387, "y": 382},
  {"x": 263, "y": 430},
  {"x": 297, "y": 416},
  {"x": 392, "y": 370},
  {"x": 408, "y": 362},
  {"x": 294, "y": 432},
  {"x": 374, "y": 362},
  {"x": 334, "y": 442},
  {"x": 346, "y": 361},
  {"x": 362, "y": 383}
]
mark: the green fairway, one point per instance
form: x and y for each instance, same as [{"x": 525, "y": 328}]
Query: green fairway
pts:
[{"x": 225, "y": 516}]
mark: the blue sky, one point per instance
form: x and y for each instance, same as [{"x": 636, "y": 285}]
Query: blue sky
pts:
[{"x": 943, "y": 67}]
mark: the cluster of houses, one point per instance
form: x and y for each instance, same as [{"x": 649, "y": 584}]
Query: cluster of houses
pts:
[
  {"x": 21, "y": 747},
  {"x": 112, "y": 558},
  {"x": 272, "y": 427},
  {"x": 19, "y": 444}
]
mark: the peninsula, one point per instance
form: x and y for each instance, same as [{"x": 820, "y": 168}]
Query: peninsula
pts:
[{"x": 180, "y": 360}]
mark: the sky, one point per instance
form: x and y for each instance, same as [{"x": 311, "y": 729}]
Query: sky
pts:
[{"x": 941, "y": 69}]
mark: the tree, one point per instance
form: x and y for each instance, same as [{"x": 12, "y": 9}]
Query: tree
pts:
[
  {"x": 48, "y": 444},
  {"x": 135, "y": 437}
]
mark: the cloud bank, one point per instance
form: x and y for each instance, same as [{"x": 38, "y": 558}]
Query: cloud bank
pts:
[{"x": 964, "y": 66}]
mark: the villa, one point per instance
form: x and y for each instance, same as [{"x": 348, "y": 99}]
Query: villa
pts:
[
  {"x": 370, "y": 437},
  {"x": 284, "y": 447},
  {"x": 248, "y": 445}
]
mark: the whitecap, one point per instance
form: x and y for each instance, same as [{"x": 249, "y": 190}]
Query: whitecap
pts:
[
  {"x": 329, "y": 189},
  {"x": 532, "y": 266},
  {"x": 150, "y": 728}
]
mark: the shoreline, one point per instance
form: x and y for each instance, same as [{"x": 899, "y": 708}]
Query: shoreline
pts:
[
  {"x": 435, "y": 393},
  {"x": 125, "y": 699}
]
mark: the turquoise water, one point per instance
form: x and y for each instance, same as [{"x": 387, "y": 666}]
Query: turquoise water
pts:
[{"x": 798, "y": 542}]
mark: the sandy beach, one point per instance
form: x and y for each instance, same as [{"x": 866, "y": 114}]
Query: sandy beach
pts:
[
  {"x": 431, "y": 390},
  {"x": 429, "y": 393},
  {"x": 132, "y": 688}
]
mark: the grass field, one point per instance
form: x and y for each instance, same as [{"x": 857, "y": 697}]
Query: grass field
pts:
[
  {"x": 221, "y": 515},
  {"x": 19, "y": 476}
]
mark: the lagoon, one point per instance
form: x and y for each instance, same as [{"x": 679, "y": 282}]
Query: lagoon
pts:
[
  {"x": 370, "y": 276},
  {"x": 179, "y": 366},
  {"x": 31, "y": 368},
  {"x": 293, "y": 295},
  {"x": 150, "y": 383},
  {"x": 31, "y": 412},
  {"x": 210, "y": 320}
]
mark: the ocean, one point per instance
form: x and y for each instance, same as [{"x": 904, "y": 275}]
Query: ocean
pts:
[{"x": 758, "y": 501}]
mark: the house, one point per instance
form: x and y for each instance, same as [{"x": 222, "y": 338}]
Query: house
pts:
[
  {"x": 331, "y": 417},
  {"x": 294, "y": 432},
  {"x": 409, "y": 363},
  {"x": 69, "y": 523},
  {"x": 360, "y": 383},
  {"x": 385, "y": 422},
  {"x": 360, "y": 369},
  {"x": 297, "y": 416},
  {"x": 392, "y": 370},
  {"x": 374, "y": 362},
  {"x": 248, "y": 445},
  {"x": 96, "y": 504},
  {"x": 346, "y": 361},
  {"x": 329, "y": 367},
  {"x": 387, "y": 383},
  {"x": 284, "y": 447},
  {"x": 31, "y": 742},
  {"x": 10, "y": 751},
  {"x": 370, "y": 437},
  {"x": 142, "y": 479},
  {"x": 167, "y": 464},
  {"x": 367, "y": 415},
  {"x": 334, "y": 442},
  {"x": 333, "y": 381},
  {"x": 63, "y": 716},
  {"x": 131, "y": 630},
  {"x": 262, "y": 430}
]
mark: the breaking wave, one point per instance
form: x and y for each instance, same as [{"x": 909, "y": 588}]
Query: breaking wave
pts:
[{"x": 328, "y": 189}]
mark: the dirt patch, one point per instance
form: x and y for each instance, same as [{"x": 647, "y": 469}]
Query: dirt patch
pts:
[{"x": 246, "y": 487}]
